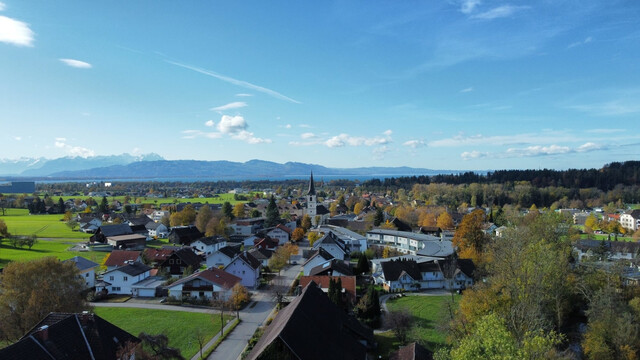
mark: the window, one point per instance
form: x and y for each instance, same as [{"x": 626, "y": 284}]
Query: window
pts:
[
  {"x": 171, "y": 261},
  {"x": 242, "y": 272},
  {"x": 178, "y": 261},
  {"x": 110, "y": 278},
  {"x": 115, "y": 288},
  {"x": 125, "y": 278},
  {"x": 86, "y": 275}
]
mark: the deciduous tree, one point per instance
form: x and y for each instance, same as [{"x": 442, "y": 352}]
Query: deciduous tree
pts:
[
  {"x": 202, "y": 219},
  {"x": 31, "y": 290},
  {"x": 445, "y": 221},
  {"x": 306, "y": 222},
  {"x": 298, "y": 234},
  {"x": 470, "y": 239},
  {"x": 239, "y": 297},
  {"x": 238, "y": 211}
]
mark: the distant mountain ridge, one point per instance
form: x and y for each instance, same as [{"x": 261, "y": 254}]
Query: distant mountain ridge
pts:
[
  {"x": 252, "y": 168},
  {"x": 32, "y": 167}
]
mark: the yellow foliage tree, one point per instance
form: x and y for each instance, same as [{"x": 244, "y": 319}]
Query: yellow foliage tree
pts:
[{"x": 445, "y": 221}]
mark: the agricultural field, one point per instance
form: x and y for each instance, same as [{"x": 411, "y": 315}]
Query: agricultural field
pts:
[
  {"x": 428, "y": 313},
  {"x": 19, "y": 222},
  {"x": 179, "y": 326},
  {"x": 52, "y": 247},
  {"x": 220, "y": 199}
]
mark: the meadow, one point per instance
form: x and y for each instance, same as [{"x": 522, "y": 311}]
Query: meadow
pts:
[
  {"x": 20, "y": 222},
  {"x": 219, "y": 199},
  {"x": 428, "y": 313},
  {"x": 52, "y": 247},
  {"x": 179, "y": 326}
]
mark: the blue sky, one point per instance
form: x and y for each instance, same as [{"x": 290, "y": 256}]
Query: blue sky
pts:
[{"x": 469, "y": 84}]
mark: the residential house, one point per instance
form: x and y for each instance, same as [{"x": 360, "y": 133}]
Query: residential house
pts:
[
  {"x": 322, "y": 281},
  {"x": 120, "y": 280},
  {"x": 222, "y": 257},
  {"x": 157, "y": 215},
  {"x": 86, "y": 269},
  {"x": 207, "y": 284},
  {"x": 157, "y": 230},
  {"x": 409, "y": 243},
  {"x": 266, "y": 243},
  {"x": 119, "y": 258},
  {"x": 89, "y": 224},
  {"x": 630, "y": 220},
  {"x": 335, "y": 335},
  {"x": 248, "y": 241},
  {"x": 376, "y": 266},
  {"x": 138, "y": 220},
  {"x": 247, "y": 227},
  {"x": 280, "y": 233},
  {"x": 130, "y": 241},
  {"x": 352, "y": 240},
  {"x": 105, "y": 231},
  {"x": 263, "y": 255},
  {"x": 208, "y": 245},
  {"x": 333, "y": 267},
  {"x": 580, "y": 218},
  {"x": 247, "y": 267},
  {"x": 176, "y": 263},
  {"x": 333, "y": 245},
  {"x": 184, "y": 235},
  {"x": 319, "y": 257},
  {"x": 73, "y": 336},
  {"x": 149, "y": 287},
  {"x": 413, "y": 351},
  {"x": 607, "y": 250},
  {"x": 155, "y": 257},
  {"x": 439, "y": 274},
  {"x": 430, "y": 230}
]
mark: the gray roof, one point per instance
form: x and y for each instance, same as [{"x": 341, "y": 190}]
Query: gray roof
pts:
[
  {"x": 132, "y": 269},
  {"x": 82, "y": 263},
  {"x": 438, "y": 248},
  {"x": 407, "y": 234}
]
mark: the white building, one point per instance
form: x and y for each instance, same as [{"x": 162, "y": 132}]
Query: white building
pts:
[
  {"x": 87, "y": 270},
  {"x": 207, "y": 284},
  {"x": 121, "y": 279},
  {"x": 410, "y": 243},
  {"x": 630, "y": 220}
]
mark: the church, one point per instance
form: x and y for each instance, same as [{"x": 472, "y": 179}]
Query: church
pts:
[{"x": 318, "y": 213}]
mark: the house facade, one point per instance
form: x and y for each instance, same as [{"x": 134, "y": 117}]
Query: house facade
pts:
[
  {"x": 121, "y": 279},
  {"x": 321, "y": 256},
  {"x": 407, "y": 242},
  {"x": 86, "y": 269},
  {"x": 207, "y": 284},
  {"x": 246, "y": 267},
  {"x": 208, "y": 245},
  {"x": 407, "y": 275},
  {"x": 333, "y": 245},
  {"x": 222, "y": 257},
  {"x": 630, "y": 220}
]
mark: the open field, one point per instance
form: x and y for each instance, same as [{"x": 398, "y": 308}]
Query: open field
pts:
[
  {"x": 428, "y": 313},
  {"x": 19, "y": 222},
  {"x": 179, "y": 326},
  {"x": 53, "y": 247}
]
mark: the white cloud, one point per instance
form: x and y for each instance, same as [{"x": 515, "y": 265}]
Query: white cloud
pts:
[
  {"x": 80, "y": 151},
  {"x": 578, "y": 43},
  {"x": 2, "y": 6},
  {"x": 308, "y": 135},
  {"x": 588, "y": 147},
  {"x": 466, "y": 90},
  {"x": 236, "y": 82},
  {"x": 500, "y": 12},
  {"x": 468, "y": 155},
  {"x": 305, "y": 126},
  {"x": 76, "y": 63},
  {"x": 538, "y": 150},
  {"x": 231, "y": 124},
  {"x": 15, "y": 32},
  {"x": 345, "y": 139},
  {"x": 609, "y": 108},
  {"x": 230, "y": 106},
  {"x": 388, "y": 132},
  {"x": 244, "y": 95},
  {"x": 605, "y": 131},
  {"x": 479, "y": 139},
  {"x": 467, "y": 6},
  {"x": 288, "y": 126},
  {"x": 17, "y": 138},
  {"x": 414, "y": 144},
  {"x": 379, "y": 152},
  {"x": 249, "y": 138}
]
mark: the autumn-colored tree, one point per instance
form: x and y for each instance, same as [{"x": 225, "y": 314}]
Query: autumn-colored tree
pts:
[
  {"x": 278, "y": 260},
  {"x": 357, "y": 208},
  {"x": 298, "y": 234},
  {"x": 239, "y": 297},
  {"x": 202, "y": 219},
  {"x": 306, "y": 222},
  {"x": 4, "y": 231},
  {"x": 386, "y": 252},
  {"x": 31, "y": 290},
  {"x": 470, "y": 239},
  {"x": 333, "y": 208},
  {"x": 239, "y": 211},
  {"x": 591, "y": 223},
  {"x": 312, "y": 237},
  {"x": 445, "y": 221}
]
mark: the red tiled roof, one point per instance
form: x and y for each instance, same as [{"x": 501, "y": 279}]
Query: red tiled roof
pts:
[
  {"x": 284, "y": 228},
  {"x": 120, "y": 257},
  {"x": 157, "y": 255}
]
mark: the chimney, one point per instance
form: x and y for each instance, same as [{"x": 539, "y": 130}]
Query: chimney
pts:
[{"x": 44, "y": 332}]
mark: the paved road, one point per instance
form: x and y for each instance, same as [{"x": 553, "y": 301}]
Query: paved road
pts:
[{"x": 265, "y": 301}]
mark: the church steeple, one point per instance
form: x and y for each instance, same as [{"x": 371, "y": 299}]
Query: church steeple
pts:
[{"x": 312, "y": 187}]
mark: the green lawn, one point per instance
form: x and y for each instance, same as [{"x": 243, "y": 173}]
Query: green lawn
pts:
[
  {"x": 19, "y": 222},
  {"x": 42, "y": 248},
  {"x": 428, "y": 312},
  {"x": 157, "y": 201},
  {"x": 179, "y": 326}
]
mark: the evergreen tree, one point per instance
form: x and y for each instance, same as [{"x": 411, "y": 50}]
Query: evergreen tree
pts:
[
  {"x": 227, "y": 210},
  {"x": 378, "y": 218},
  {"x": 61, "y": 207},
  {"x": 363, "y": 265},
  {"x": 104, "y": 205},
  {"x": 273, "y": 215}
]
